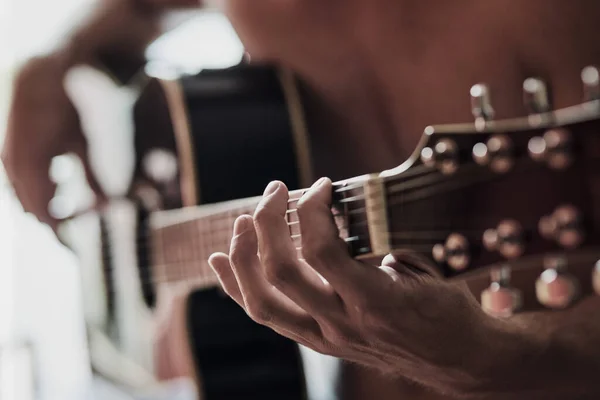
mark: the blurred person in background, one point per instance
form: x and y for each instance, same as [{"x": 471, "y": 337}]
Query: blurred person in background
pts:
[{"x": 373, "y": 74}]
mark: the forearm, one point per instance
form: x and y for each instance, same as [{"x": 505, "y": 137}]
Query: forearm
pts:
[
  {"x": 115, "y": 36},
  {"x": 550, "y": 356}
]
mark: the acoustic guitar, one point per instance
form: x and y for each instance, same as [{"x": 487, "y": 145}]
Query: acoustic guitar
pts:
[{"x": 510, "y": 202}]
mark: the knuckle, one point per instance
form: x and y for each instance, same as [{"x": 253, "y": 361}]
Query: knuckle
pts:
[
  {"x": 337, "y": 335},
  {"x": 263, "y": 216},
  {"x": 317, "y": 252},
  {"x": 237, "y": 256},
  {"x": 280, "y": 274},
  {"x": 259, "y": 310},
  {"x": 221, "y": 267},
  {"x": 305, "y": 205},
  {"x": 371, "y": 322}
]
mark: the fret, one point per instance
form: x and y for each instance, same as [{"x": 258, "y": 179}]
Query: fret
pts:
[
  {"x": 209, "y": 239},
  {"x": 183, "y": 243},
  {"x": 198, "y": 250},
  {"x": 185, "y": 239}
]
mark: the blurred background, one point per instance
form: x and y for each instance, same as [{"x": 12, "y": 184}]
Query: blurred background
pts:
[{"x": 43, "y": 349}]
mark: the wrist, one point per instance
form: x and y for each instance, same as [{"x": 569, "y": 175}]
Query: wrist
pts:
[
  {"x": 506, "y": 355},
  {"x": 492, "y": 359},
  {"x": 517, "y": 359}
]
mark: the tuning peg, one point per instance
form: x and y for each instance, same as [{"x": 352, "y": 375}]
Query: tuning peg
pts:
[
  {"x": 590, "y": 77},
  {"x": 444, "y": 156},
  {"x": 535, "y": 96},
  {"x": 500, "y": 299},
  {"x": 455, "y": 252},
  {"x": 554, "y": 148},
  {"x": 497, "y": 153},
  {"x": 596, "y": 278},
  {"x": 555, "y": 288},
  {"x": 508, "y": 239},
  {"x": 565, "y": 226},
  {"x": 481, "y": 104}
]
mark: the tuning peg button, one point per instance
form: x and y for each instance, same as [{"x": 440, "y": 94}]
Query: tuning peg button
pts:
[
  {"x": 455, "y": 252},
  {"x": 537, "y": 148},
  {"x": 590, "y": 78},
  {"x": 554, "y": 148},
  {"x": 569, "y": 227},
  {"x": 535, "y": 96},
  {"x": 481, "y": 104},
  {"x": 565, "y": 226},
  {"x": 555, "y": 288},
  {"x": 558, "y": 143},
  {"x": 511, "y": 241},
  {"x": 508, "y": 239},
  {"x": 444, "y": 156},
  {"x": 497, "y": 153},
  {"x": 596, "y": 278},
  {"x": 499, "y": 299}
]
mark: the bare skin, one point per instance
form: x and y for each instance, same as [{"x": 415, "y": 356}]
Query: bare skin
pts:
[{"x": 375, "y": 73}]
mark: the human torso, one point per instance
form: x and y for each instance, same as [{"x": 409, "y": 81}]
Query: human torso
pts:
[{"x": 376, "y": 73}]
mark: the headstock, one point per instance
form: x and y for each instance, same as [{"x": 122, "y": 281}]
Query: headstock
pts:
[{"x": 502, "y": 196}]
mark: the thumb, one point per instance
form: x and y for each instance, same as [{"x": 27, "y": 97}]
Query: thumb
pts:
[
  {"x": 410, "y": 263},
  {"x": 391, "y": 272}
]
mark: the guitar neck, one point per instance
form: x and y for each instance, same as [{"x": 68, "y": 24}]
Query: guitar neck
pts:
[{"x": 182, "y": 240}]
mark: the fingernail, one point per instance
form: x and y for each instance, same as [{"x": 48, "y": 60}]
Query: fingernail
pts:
[
  {"x": 320, "y": 182},
  {"x": 242, "y": 224},
  {"x": 272, "y": 188},
  {"x": 210, "y": 262}
]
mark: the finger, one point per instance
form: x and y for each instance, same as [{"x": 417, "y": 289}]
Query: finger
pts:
[
  {"x": 322, "y": 246},
  {"x": 280, "y": 260},
  {"x": 397, "y": 269},
  {"x": 220, "y": 264},
  {"x": 391, "y": 272},
  {"x": 35, "y": 191},
  {"x": 264, "y": 303},
  {"x": 32, "y": 186},
  {"x": 411, "y": 264}
]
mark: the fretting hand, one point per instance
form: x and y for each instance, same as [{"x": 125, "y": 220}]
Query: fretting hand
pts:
[{"x": 398, "y": 317}]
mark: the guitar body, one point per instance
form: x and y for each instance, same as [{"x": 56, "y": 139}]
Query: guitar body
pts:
[{"x": 222, "y": 126}]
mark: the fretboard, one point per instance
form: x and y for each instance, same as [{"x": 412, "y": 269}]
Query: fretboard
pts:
[{"x": 182, "y": 240}]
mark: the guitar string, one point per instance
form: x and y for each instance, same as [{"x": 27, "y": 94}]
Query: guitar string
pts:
[
  {"x": 427, "y": 191},
  {"x": 201, "y": 271},
  {"x": 229, "y": 218},
  {"x": 207, "y": 271},
  {"x": 229, "y": 230},
  {"x": 415, "y": 171},
  {"x": 351, "y": 212}
]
